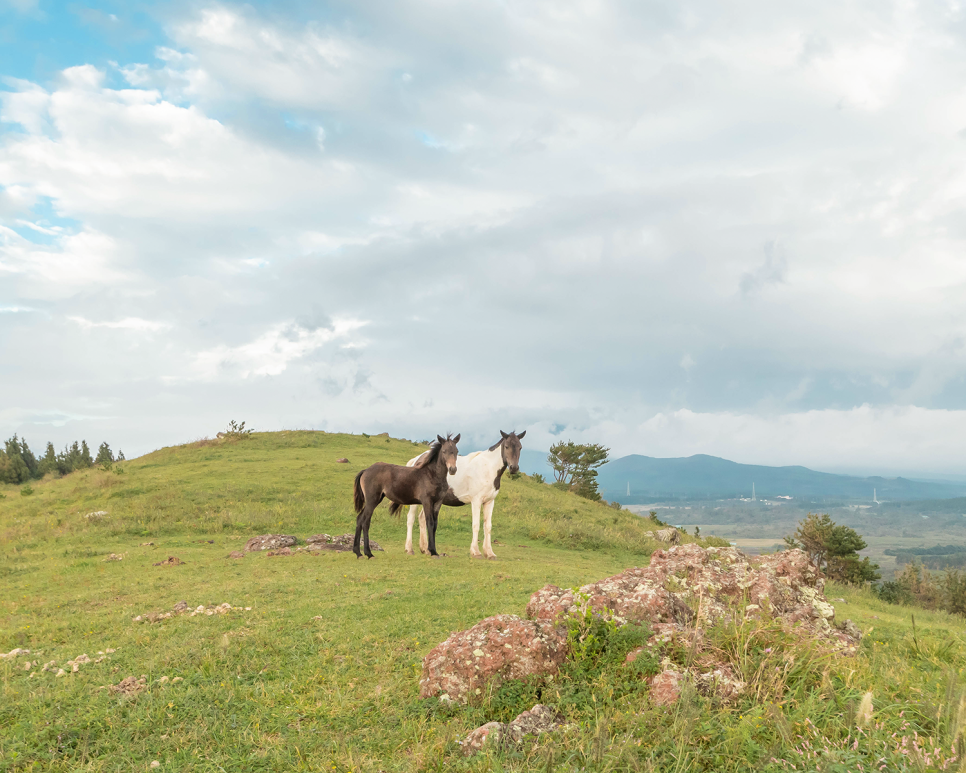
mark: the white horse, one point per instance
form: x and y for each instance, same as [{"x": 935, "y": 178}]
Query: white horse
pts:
[{"x": 476, "y": 483}]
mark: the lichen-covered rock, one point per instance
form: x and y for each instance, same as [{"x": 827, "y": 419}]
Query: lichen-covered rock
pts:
[
  {"x": 539, "y": 719},
  {"x": 688, "y": 585},
  {"x": 496, "y": 649},
  {"x": 270, "y": 542},
  {"x": 626, "y": 597},
  {"x": 339, "y": 544},
  {"x": 666, "y": 686},
  {"x": 490, "y": 733}
]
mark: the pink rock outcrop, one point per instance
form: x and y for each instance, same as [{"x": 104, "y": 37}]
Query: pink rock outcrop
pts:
[
  {"x": 496, "y": 649},
  {"x": 688, "y": 585},
  {"x": 685, "y": 590}
]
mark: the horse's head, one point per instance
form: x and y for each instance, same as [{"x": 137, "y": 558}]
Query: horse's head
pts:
[
  {"x": 511, "y": 448},
  {"x": 448, "y": 452}
]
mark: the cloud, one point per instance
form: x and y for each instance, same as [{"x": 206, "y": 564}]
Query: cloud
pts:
[
  {"x": 772, "y": 271},
  {"x": 655, "y": 227},
  {"x": 271, "y": 353},
  {"x": 128, "y": 323}
]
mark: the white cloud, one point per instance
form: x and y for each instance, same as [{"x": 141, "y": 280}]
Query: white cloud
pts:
[
  {"x": 546, "y": 214},
  {"x": 128, "y": 323},
  {"x": 271, "y": 353}
]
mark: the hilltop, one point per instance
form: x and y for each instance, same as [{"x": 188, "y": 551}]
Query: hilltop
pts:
[{"x": 312, "y": 660}]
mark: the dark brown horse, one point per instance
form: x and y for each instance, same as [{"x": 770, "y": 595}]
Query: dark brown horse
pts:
[{"x": 424, "y": 485}]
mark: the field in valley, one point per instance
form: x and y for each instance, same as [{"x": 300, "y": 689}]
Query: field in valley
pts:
[{"x": 317, "y": 667}]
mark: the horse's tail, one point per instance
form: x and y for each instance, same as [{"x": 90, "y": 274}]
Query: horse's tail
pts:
[
  {"x": 394, "y": 508},
  {"x": 358, "y": 498}
]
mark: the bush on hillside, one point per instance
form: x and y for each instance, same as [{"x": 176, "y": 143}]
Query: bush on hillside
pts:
[
  {"x": 916, "y": 586},
  {"x": 833, "y": 549}
]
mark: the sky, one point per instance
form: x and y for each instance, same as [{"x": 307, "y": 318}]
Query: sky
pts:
[{"x": 668, "y": 227}]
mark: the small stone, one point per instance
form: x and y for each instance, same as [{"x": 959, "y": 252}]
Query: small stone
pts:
[
  {"x": 181, "y": 606},
  {"x": 665, "y": 687},
  {"x": 154, "y": 764},
  {"x": 270, "y": 542},
  {"x": 236, "y": 554},
  {"x": 170, "y": 561},
  {"x": 491, "y": 733}
]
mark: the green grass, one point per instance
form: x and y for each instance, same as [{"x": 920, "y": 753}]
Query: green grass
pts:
[{"x": 275, "y": 688}]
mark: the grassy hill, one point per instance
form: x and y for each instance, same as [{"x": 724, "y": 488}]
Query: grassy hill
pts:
[
  {"x": 708, "y": 477},
  {"x": 321, "y": 673}
]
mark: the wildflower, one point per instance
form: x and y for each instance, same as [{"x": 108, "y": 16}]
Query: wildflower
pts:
[{"x": 864, "y": 715}]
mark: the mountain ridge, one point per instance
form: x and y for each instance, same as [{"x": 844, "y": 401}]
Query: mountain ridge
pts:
[{"x": 702, "y": 476}]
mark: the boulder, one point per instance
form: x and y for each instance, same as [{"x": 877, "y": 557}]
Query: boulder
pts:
[
  {"x": 270, "y": 542},
  {"x": 496, "y": 649},
  {"x": 343, "y": 460}
]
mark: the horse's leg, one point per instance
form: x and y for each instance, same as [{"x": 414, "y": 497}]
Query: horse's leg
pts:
[
  {"x": 362, "y": 524},
  {"x": 487, "y": 525},
  {"x": 430, "y": 511},
  {"x": 410, "y": 519},
  {"x": 474, "y": 544},
  {"x": 423, "y": 539}
]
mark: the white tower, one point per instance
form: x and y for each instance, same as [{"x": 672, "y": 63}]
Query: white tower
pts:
[
  {"x": 628, "y": 488},
  {"x": 753, "y": 497},
  {"x": 874, "y": 500}
]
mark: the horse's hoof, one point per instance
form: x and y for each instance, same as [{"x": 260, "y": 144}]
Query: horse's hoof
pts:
[
  {"x": 491, "y": 558},
  {"x": 410, "y": 552}
]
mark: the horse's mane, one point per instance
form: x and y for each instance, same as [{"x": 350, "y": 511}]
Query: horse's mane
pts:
[{"x": 433, "y": 454}]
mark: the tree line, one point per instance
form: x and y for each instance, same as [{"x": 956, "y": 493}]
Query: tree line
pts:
[{"x": 18, "y": 464}]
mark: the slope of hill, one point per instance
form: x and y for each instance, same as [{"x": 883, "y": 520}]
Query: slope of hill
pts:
[
  {"x": 317, "y": 664},
  {"x": 708, "y": 477}
]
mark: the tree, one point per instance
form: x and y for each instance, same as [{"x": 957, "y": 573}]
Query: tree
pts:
[
  {"x": 575, "y": 466},
  {"x": 49, "y": 461},
  {"x": 833, "y": 549},
  {"x": 33, "y": 466},
  {"x": 86, "y": 459},
  {"x": 13, "y": 469},
  {"x": 105, "y": 457}
]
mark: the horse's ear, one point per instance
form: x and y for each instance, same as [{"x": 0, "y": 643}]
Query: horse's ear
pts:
[
  {"x": 456, "y": 439},
  {"x": 505, "y": 436},
  {"x": 520, "y": 436},
  {"x": 440, "y": 439}
]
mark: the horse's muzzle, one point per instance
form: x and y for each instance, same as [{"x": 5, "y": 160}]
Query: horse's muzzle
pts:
[
  {"x": 514, "y": 470},
  {"x": 452, "y": 470}
]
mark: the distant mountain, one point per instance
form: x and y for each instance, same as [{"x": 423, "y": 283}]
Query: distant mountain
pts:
[{"x": 708, "y": 477}]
